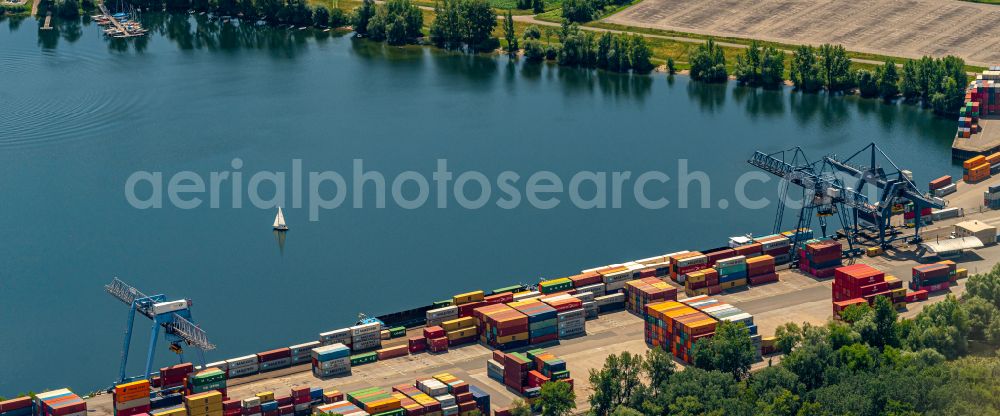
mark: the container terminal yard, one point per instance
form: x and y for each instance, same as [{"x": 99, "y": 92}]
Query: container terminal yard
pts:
[{"x": 378, "y": 368}]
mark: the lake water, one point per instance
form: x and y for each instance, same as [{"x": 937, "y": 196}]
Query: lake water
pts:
[{"x": 79, "y": 115}]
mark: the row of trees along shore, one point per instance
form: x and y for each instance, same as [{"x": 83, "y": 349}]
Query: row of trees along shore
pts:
[
  {"x": 935, "y": 83},
  {"x": 944, "y": 361}
]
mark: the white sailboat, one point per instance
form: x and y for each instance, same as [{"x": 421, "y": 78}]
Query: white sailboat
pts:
[{"x": 279, "y": 221}]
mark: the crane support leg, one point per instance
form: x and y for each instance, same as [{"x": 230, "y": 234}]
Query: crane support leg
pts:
[
  {"x": 127, "y": 342},
  {"x": 154, "y": 334}
]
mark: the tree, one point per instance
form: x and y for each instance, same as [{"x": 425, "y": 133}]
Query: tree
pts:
[
  {"x": 395, "y": 30},
  {"x": 909, "y": 82},
  {"x": 614, "y": 383},
  {"x": 557, "y": 398},
  {"x": 942, "y": 326},
  {"x": 376, "y": 25},
  {"x": 805, "y": 70},
  {"x": 787, "y": 336},
  {"x": 362, "y": 14},
  {"x": 639, "y": 54},
  {"x": 321, "y": 16},
  {"x": 337, "y": 18},
  {"x": 888, "y": 82},
  {"x": 729, "y": 350},
  {"x": 835, "y": 67},
  {"x": 446, "y": 30},
  {"x": 69, "y": 9},
  {"x": 659, "y": 366},
  {"x": 538, "y": 6},
  {"x": 578, "y": 10},
  {"x": 867, "y": 83},
  {"x": 532, "y": 32},
  {"x": 626, "y": 411},
  {"x": 520, "y": 408},
  {"x": 772, "y": 68},
  {"x": 671, "y": 67},
  {"x": 478, "y": 21},
  {"x": 534, "y": 51},
  {"x": 747, "y": 68},
  {"x": 708, "y": 63},
  {"x": 510, "y": 35},
  {"x": 986, "y": 286}
]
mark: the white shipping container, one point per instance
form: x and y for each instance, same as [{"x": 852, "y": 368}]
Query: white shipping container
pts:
[
  {"x": 616, "y": 278},
  {"x": 731, "y": 261},
  {"x": 570, "y": 325},
  {"x": 331, "y": 372},
  {"x": 651, "y": 260},
  {"x": 432, "y": 387},
  {"x": 251, "y": 402},
  {"x": 342, "y": 335},
  {"x": 372, "y": 328},
  {"x": 691, "y": 261},
  {"x": 301, "y": 407},
  {"x": 449, "y": 411},
  {"x": 616, "y": 286},
  {"x": 242, "y": 361},
  {"x": 221, "y": 365},
  {"x": 242, "y": 371},
  {"x": 273, "y": 364},
  {"x": 945, "y": 190},
  {"x": 600, "y": 267},
  {"x": 570, "y": 333},
  {"x": 942, "y": 214},
  {"x": 439, "y": 313},
  {"x": 571, "y": 314},
  {"x": 334, "y": 363},
  {"x": 584, "y": 296},
  {"x": 167, "y": 307},
  {"x": 610, "y": 299},
  {"x": 597, "y": 289},
  {"x": 494, "y": 365},
  {"x": 446, "y": 400},
  {"x": 366, "y": 345},
  {"x": 526, "y": 295},
  {"x": 305, "y": 348}
]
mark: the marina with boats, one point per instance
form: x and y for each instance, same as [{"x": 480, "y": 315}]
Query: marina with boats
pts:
[{"x": 119, "y": 25}]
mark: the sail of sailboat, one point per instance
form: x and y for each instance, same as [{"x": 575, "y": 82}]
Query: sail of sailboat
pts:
[{"x": 279, "y": 221}]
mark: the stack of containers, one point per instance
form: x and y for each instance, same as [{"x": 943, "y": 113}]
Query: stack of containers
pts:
[
  {"x": 777, "y": 246},
  {"x": 20, "y": 406},
  {"x": 725, "y": 312},
  {"x": 543, "y": 324},
  {"x": 614, "y": 277},
  {"x": 675, "y": 327},
  {"x": 436, "y": 316},
  {"x": 129, "y": 398},
  {"x": 732, "y": 272},
  {"x": 60, "y": 402},
  {"x": 204, "y": 404},
  {"x": 331, "y": 360},
  {"x": 548, "y": 365},
  {"x": 931, "y": 277},
  {"x": 760, "y": 270},
  {"x": 301, "y": 399},
  {"x": 410, "y": 406},
  {"x": 494, "y": 366},
  {"x": 718, "y": 253},
  {"x": 302, "y": 353},
  {"x": 609, "y": 303},
  {"x": 173, "y": 376},
  {"x": 328, "y": 396},
  {"x": 861, "y": 283},
  {"x": 682, "y": 264},
  {"x": 502, "y": 326},
  {"x": 337, "y": 336},
  {"x": 436, "y": 338},
  {"x": 572, "y": 323},
  {"x": 243, "y": 366},
  {"x": 343, "y": 408},
  {"x": 481, "y": 398},
  {"x": 942, "y": 186},
  {"x": 429, "y": 405},
  {"x": 466, "y": 302},
  {"x": 376, "y": 400},
  {"x": 821, "y": 258},
  {"x": 555, "y": 285},
  {"x": 647, "y": 290},
  {"x": 515, "y": 370},
  {"x": 275, "y": 359},
  {"x": 206, "y": 380},
  {"x": 991, "y": 198},
  {"x": 460, "y": 331},
  {"x": 366, "y": 337},
  {"x": 232, "y": 407},
  {"x": 702, "y": 282},
  {"x": 975, "y": 169},
  {"x": 251, "y": 406}
]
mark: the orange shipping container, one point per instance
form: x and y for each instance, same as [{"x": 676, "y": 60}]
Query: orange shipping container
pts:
[{"x": 976, "y": 161}]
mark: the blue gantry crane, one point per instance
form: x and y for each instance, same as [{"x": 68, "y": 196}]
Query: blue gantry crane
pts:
[
  {"x": 863, "y": 193},
  {"x": 173, "y": 316}
]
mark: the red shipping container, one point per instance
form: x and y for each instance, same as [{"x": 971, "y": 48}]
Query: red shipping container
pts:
[
  {"x": 499, "y": 356},
  {"x": 274, "y": 412},
  {"x": 875, "y": 288},
  {"x": 275, "y": 354},
  {"x": 462, "y": 341},
  {"x": 282, "y": 400},
  {"x": 505, "y": 297},
  {"x": 301, "y": 399},
  {"x": 501, "y": 411},
  {"x": 465, "y": 310},
  {"x": 432, "y": 332},
  {"x": 714, "y": 290},
  {"x": 132, "y": 411},
  {"x": 231, "y": 404},
  {"x": 286, "y": 410},
  {"x": 921, "y": 294},
  {"x": 713, "y": 280},
  {"x": 233, "y": 412},
  {"x": 466, "y": 406},
  {"x": 463, "y": 397},
  {"x": 568, "y": 381},
  {"x": 438, "y": 344},
  {"x": 764, "y": 278},
  {"x": 14, "y": 404},
  {"x": 177, "y": 370},
  {"x": 586, "y": 279},
  {"x": 416, "y": 344},
  {"x": 719, "y": 254},
  {"x": 511, "y": 330},
  {"x": 65, "y": 409},
  {"x": 251, "y": 410},
  {"x": 300, "y": 391},
  {"x": 544, "y": 338}
]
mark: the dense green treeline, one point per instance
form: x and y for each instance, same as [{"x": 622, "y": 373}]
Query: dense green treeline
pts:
[
  {"x": 587, "y": 49},
  {"x": 935, "y": 83},
  {"x": 869, "y": 364}
]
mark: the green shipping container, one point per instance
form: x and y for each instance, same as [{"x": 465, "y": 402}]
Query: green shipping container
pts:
[
  {"x": 396, "y": 412},
  {"x": 211, "y": 377},
  {"x": 512, "y": 289},
  {"x": 397, "y": 331},
  {"x": 368, "y": 357}
]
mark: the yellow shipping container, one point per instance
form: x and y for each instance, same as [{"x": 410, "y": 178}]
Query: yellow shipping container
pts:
[
  {"x": 265, "y": 396},
  {"x": 462, "y": 333},
  {"x": 898, "y": 293},
  {"x": 961, "y": 273},
  {"x": 384, "y": 405},
  {"x": 900, "y": 305},
  {"x": 511, "y": 338},
  {"x": 695, "y": 277},
  {"x": 445, "y": 378},
  {"x": 732, "y": 284},
  {"x": 470, "y": 297},
  {"x": 768, "y": 341},
  {"x": 172, "y": 412},
  {"x": 204, "y": 410},
  {"x": 873, "y": 251},
  {"x": 204, "y": 399},
  {"x": 218, "y": 412},
  {"x": 460, "y": 323},
  {"x": 696, "y": 292}
]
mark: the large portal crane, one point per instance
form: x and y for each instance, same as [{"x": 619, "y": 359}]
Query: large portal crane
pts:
[
  {"x": 173, "y": 316},
  {"x": 831, "y": 186}
]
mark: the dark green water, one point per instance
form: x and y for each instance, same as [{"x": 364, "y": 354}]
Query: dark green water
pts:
[{"x": 78, "y": 115}]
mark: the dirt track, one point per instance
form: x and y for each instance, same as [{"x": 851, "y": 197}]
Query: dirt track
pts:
[{"x": 909, "y": 28}]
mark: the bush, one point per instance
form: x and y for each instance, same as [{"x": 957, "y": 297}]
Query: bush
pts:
[
  {"x": 533, "y": 50},
  {"x": 708, "y": 63}
]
